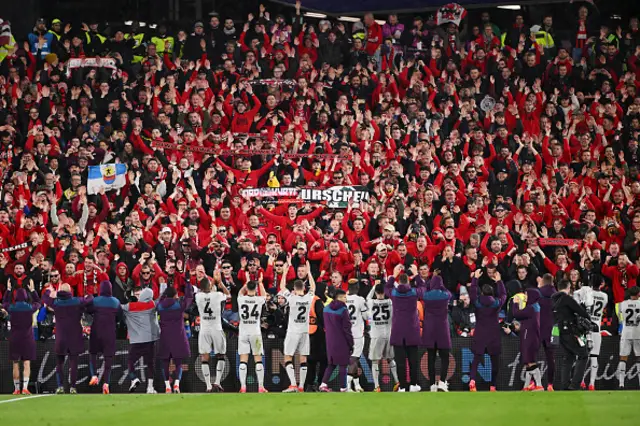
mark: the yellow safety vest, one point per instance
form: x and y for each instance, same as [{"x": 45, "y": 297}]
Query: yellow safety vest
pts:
[
  {"x": 138, "y": 41},
  {"x": 544, "y": 39},
  {"x": 100, "y": 37},
  {"x": 4, "y": 49},
  {"x": 160, "y": 42}
]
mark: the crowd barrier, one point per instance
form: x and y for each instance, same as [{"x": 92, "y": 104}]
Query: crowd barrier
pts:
[{"x": 510, "y": 378}]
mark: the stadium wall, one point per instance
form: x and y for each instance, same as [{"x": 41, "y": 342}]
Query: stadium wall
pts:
[{"x": 510, "y": 379}]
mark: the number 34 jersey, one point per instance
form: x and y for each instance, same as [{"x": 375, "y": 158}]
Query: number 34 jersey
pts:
[
  {"x": 210, "y": 308},
  {"x": 250, "y": 310},
  {"x": 380, "y": 310},
  {"x": 299, "y": 309}
]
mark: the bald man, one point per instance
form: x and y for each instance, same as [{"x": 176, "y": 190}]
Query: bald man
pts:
[{"x": 68, "y": 311}]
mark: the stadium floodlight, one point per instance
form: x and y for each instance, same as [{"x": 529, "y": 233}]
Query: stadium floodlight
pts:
[
  {"x": 315, "y": 15},
  {"x": 128, "y": 22},
  {"x": 510, "y": 7},
  {"x": 153, "y": 26},
  {"x": 348, "y": 19}
]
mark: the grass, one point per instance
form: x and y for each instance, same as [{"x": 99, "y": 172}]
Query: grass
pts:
[{"x": 521, "y": 409}]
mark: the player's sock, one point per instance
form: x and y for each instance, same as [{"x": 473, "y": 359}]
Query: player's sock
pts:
[
  {"x": 291, "y": 373},
  {"x": 593, "y": 370},
  {"x": 149, "y": 384},
  {"x": 303, "y": 373},
  {"x": 243, "y": 374},
  {"x": 537, "y": 376},
  {"x": 375, "y": 371},
  {"x": 260, "y": 374},
  {"x": 622, "y": 367},
  {"x": 167, "y": 384},
  {"x": 93, "y": 361},
  {"x": 59, "y": 365},
  {"x": 108, "y": 364},
  {"x": 394, "y": 370},
  {"x": 356, "y": 382},
  {"x": 16, "y": 384},
  {"x": 25, "y": 383},
  {"x": 349, "y": 380},
  {"x": 176, "y": 383},
  {"x": 73, "y": 367},
  {"x": 219, "y": 371},
  {"x": 527, "y": 377},
  {"x": 206, "y": 373}
]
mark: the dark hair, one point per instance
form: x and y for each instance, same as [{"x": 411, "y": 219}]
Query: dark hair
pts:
[
  {"x": 379, "y": 289},
  {"x": 354, "y": 287},
  {"x": 634, "y": 291},
  {"x": 338, "y": 292},
  {"x": 205, "y": 286},
  {"x": 487, "y": 290},
  {"x": 547, "y": 279},
  {"x": 252, "y": 285},
  {"x": 403, "y": 279},
  {"x": 170, "y": 292},
  {"x": 298, "y": 285},
  {"x": 564, "y": 284}
]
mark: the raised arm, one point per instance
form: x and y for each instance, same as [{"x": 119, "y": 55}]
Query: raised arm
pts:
[
  {"x": 187, "y": 300},
  {"x": 312, "y": 281}
]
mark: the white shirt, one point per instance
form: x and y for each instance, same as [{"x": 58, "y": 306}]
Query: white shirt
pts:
[
  {"x": 299, "y": 309},
  {"x": 250, "y": 310},
  {"x": 630, "y": 313},
  {"x": 380, "y": 313},
  {"x": 594, "y": 301},
  {"x": 210, "y": 308},
  {"x": 357, "y": 313}
]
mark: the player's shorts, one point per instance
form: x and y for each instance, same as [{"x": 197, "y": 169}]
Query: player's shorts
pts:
[
  {"x": 358, "y": 347},
  {"x": 596, "y": 338},
  {"x": 296, "y": 342},
  {"x": 250, "y": 345},
  {"x": 626, "y": 344},
  {"x": 380, "y": 348},
  {"x": 212, "y": 339}
]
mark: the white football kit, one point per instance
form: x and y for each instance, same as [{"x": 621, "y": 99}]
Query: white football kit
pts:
[
  {"x": 250, "y": 335},
  {"x": 211, "y": 334},
  {"x": 297, "y": 338},
  {"x": 630, "y": 336},
  {"x": 380, "y": 320},
  {"x": 357, "y": 308}
]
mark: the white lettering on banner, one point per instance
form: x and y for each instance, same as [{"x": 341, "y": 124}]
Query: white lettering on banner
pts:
[
  {"x": 140, "y": 368},
  {"x": 336, "y": 196}
]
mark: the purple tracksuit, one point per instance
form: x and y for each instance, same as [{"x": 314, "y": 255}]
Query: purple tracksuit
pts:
[
  {"x": 488, "y": 334},
  {"x": 173, "y": 338},
  {"x": 546, "y": 312},
  {"x": 435, "y": 329},
  {"x": 405, "y": 324},
  {"x": 529, "y": 318},
  {"x": 337, "y": 327},
  {"x": 22, "y": 346},
  {"x": 68, "y": 311},
  {"x": 105, "y": 309}
]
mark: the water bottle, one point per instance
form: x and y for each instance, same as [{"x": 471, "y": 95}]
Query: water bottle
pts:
[{"x": 187, "y": 328}]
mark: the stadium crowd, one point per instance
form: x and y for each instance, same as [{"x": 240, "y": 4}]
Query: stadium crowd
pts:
[{"x": 502, "y": 149}]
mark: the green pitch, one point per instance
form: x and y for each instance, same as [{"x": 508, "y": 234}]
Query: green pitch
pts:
[{"x": 513, "y": 409}]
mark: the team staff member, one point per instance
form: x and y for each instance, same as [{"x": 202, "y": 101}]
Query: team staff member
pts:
[
  {"x": 22, "y": 346},
  {"x": 566, "y": 309}
]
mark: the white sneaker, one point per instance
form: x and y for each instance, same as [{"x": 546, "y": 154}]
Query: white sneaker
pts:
[
  {"x": 434, "y": 388},
  {"x": 443, "y": 386},
  {"x": 401, "y": 390},
  {"x": 415, "y": 388},
  {"x": 151, "y": 391},
  {"x": 134, "y": 384},
  {"x": 291, "y": 389}
]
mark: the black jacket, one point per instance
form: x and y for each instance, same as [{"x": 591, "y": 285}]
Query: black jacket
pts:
[{"x": 566, "y": 309}]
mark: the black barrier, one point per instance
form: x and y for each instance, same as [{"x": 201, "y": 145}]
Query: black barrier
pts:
[{"x": 511, "y": 374}]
